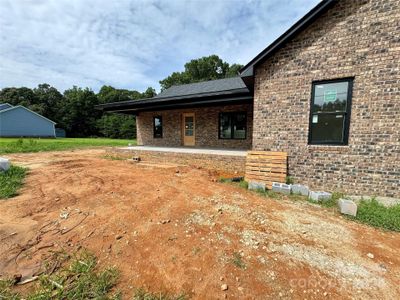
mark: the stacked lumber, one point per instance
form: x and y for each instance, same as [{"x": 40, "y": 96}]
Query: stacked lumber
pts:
[{"x": 266, "y": 167}]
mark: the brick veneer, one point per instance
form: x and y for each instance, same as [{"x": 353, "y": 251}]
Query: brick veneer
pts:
[
  {"x": 206, "y": 120},
  {"x": 354, "y": 38}
]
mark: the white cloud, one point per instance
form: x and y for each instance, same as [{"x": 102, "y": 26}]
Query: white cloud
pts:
[{"x": 131, "y": 44}]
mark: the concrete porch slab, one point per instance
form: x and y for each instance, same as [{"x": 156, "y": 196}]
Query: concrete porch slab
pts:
[{"x": 188, "y": 150}]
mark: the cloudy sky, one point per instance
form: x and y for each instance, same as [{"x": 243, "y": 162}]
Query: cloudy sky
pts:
[{"x": 130, "y": 43}]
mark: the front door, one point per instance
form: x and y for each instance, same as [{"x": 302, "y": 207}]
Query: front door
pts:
[{"x": 188, "y": 129}]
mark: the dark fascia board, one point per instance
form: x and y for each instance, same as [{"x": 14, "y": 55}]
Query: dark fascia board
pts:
[
  {"x": 180, "y": 104},
  {"x": 299, "y": 26},
  {"x": 164, "y": 100}
]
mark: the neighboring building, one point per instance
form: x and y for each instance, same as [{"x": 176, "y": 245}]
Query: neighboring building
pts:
[
  {"x": 18, "y": 121},
  {"x": 327, "y": 92}
]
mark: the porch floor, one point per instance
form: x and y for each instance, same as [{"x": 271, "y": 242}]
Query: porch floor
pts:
[{"x": 226, "y": 152}]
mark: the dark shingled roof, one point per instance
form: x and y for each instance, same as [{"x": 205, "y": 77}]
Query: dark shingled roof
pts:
[
  {"x": 205, "y": 87},
  {"x": 223, "y": 91}
]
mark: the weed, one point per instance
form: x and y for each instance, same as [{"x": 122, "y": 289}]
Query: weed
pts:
[
  {"x": 141, "y": 294},
  {"x": 80, "y": 280},
  {"x": 6, "y": 290},
  {"x": 376, "y": 214},
  {"x": 330, "y": 203},
  {"x": 11, "y": 181},
  {"x": 244, "y": 184},
  {"x": 289, "y": 180},
  {"x": 238, "y": 261},
  {"x": 224, "y": 180}
]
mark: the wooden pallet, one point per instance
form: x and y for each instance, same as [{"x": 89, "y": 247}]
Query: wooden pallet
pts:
[{"x": 266, "y": 167}]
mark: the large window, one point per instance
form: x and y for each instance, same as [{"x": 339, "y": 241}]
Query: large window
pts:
[
  {"x": 157, "y": 127},
  {"x": 330, "y": 112},
  {"x": 232, "y": 125}
]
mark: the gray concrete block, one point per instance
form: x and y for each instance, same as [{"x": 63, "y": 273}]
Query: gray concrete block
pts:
[
  {"x": 4, "y": 164},
  {"x": 257, "y": 186},
  {"x": 319, "y": 196},
  {"x": 347, "y": 207},
  {"x": 281, "y": 188},
  {"x": 300, "y": 189}
]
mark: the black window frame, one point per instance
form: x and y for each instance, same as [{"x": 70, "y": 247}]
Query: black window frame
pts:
[
  {"x": 232, "y": 131},
  {"x": 155, "y": 135},
  {"x": 347, "y": 113}
]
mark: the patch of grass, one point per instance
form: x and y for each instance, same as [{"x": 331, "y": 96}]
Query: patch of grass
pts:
[
  {"x": 289, "y": 180},
  {"x": 14, "y": 145},
  {"x": 141, "y": 294},
  {"x": 6, "y": 290},
  {"x": 80, "y": 280},
  {"x": 243, "y": 184},
  {"x": 331, "y": 203},
  {"x": 11, "y": 181},
  {"x": 373, "y": 213},
  {"x": 237, "y": 260},
  {"x": 224, "y": 180}
]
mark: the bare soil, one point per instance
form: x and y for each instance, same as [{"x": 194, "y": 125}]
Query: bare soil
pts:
[{"x": 176, "y": 229}]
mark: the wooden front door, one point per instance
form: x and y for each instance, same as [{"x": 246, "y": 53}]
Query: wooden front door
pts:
[{"x": 188, "y": 129}]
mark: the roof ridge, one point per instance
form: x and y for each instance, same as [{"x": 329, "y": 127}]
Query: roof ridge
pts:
[{"x": 193, "y": 83}]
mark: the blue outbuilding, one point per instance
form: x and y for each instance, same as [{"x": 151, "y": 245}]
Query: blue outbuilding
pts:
[{"x": 19, "y": 121}]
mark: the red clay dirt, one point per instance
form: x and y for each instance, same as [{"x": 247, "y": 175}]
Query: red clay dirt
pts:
[{"x": 176, "y": 229}]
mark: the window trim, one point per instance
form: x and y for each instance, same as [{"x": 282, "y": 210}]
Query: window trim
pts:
[
  {"x": 154, "y": 127},
  {"x": 346, "y": 128},
  {"x": 232, "y": 131}
]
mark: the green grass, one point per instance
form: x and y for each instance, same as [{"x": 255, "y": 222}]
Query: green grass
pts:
[
  {"x": 15, "y": 145},
  {"x": 375, "y": 214},
  {"x": 370, "y": 212},
  {"x": 80, "y": 280},
  {"x": 237, "y": 260},
  {"x": 331, "y": 203},
  {"x": 11, "y": 181}
]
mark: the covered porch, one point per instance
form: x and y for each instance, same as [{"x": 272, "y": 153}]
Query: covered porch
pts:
[{"x": 213, "y": 114}]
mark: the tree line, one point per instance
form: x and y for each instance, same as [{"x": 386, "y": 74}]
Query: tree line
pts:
[{"x": 74, "y": 109}]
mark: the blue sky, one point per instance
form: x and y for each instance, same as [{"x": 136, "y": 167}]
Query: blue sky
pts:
[{"x": 131, "y": 44}]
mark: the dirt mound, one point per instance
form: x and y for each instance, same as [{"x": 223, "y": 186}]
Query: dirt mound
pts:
[{"x": 175, "y": 229}]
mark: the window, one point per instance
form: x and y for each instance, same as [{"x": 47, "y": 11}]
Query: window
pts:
[
  {"x": 330, "y": 112},
  {"x": 157, "y": 127},
  {"x": 232, "y": 125}
]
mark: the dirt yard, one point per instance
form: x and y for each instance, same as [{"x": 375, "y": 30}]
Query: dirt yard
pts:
[{"x": 176, "y": 229}]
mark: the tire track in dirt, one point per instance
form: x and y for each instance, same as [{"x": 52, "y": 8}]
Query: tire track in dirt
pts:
[{"x": 174, "y": 228}]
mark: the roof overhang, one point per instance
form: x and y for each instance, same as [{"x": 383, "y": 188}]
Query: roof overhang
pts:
[
  {"x": 241, "y": 96},
  {"x": 304, "y": 22}
]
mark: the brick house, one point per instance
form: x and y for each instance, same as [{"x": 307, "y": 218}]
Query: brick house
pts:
[{"x": 327, "y": 92}]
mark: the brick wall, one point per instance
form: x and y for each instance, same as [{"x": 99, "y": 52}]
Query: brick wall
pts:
[
  {"x": 206, "y": 122},
  {"x": 354, "y": 38}
]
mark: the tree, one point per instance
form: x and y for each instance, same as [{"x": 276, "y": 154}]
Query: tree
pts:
[
  {"x": 21, "y": 96},
  {"x": 51, "y": 101},
  {"x": 79, "y": 116},
  {"x": 116, "y": 125},
  {"x": 201, "y": 69}
]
